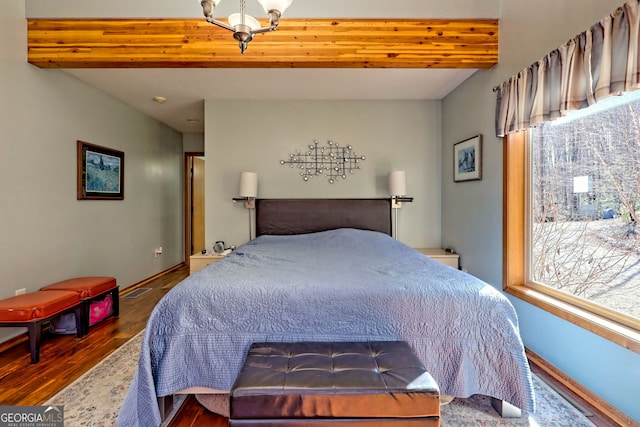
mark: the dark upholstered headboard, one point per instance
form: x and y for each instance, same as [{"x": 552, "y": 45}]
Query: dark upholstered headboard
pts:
[{"x": 300, "y": 216}]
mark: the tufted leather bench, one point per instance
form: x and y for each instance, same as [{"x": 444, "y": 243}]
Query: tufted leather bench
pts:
[
  {"x": 334, "y": 384},
  {"x": 90, "y": 289},
  {"x": 34, "y": 309}
]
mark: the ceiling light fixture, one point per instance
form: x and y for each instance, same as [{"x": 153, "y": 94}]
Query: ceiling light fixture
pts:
[{"x": 245, "y": 26}]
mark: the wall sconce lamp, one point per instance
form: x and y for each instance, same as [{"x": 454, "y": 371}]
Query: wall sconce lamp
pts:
[
  {"x": 248, "y": 191},
  {"x": 398, "y": 192}
]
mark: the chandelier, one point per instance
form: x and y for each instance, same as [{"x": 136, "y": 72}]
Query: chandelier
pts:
[{"x": 245, "y": 26}]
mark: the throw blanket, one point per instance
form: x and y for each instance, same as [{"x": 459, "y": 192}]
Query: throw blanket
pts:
[{"x": 338, "y": 285}]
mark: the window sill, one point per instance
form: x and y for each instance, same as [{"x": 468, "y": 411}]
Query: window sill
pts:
[{"x": 612, "y": 331}]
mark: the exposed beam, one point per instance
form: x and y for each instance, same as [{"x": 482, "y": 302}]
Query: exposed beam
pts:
[{"x": 298, "y": 43}]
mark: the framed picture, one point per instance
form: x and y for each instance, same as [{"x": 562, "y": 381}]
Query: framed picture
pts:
[
  {"x": 467, "y": 159},
  {"x": 100, "y": 173}
]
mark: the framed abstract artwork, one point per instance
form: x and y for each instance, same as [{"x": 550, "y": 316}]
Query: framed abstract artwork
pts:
[
  {"x": 100, "y": 173},
  {"x": 467, "y": 159}
]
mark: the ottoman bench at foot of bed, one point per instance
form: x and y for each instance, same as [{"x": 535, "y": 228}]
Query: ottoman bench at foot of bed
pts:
[
  {"x": 334, "y": 384},
  {"x": 33, "y": 309},
  {"x": 90, "y": 289}
]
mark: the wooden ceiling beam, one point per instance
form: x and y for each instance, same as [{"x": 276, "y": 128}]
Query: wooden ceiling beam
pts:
[{"x": 297, "y": 43}]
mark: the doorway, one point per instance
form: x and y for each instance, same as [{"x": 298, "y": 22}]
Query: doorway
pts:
[{"x": 194, "y": 204}]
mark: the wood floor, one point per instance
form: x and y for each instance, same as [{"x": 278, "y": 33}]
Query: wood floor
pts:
[{"x": 63, "y": 358}]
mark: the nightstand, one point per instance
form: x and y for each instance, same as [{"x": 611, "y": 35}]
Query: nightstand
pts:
[
  {"x": 196, "y": 262},
  {"x": 440, "y": 255}
]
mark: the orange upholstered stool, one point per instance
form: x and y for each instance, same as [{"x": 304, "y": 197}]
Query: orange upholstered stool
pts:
[
  {"x": 90, "y": 289},
  {"x": 34, "y": 309}
]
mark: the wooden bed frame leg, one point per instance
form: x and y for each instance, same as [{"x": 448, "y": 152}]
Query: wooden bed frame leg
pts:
[
  {"x": 165, "y": 403},
  {"x": 505, "y": 409}
]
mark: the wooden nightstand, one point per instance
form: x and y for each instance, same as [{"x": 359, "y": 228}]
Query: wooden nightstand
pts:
[
  {"x": 440, "y": 255},
  {"x": 196, "y": 262}
]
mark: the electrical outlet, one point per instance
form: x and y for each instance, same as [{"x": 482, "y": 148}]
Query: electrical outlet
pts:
[
  {"x": 158, "y": 251},
  {"x": 21, "y": 291}
]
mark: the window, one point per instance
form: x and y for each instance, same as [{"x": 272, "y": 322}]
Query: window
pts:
[{"x": 572, "y": 232}]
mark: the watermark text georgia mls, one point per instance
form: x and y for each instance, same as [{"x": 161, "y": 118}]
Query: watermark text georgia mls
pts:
[{"x": 32, "y": 416}]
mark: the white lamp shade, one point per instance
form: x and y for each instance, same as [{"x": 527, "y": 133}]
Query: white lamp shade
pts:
[
  {"x": 250, "y": 21},
  {"x": 279, "y": 5},
  {"x": 248, "y": 184},
  {"x": 398, "y": 183}
]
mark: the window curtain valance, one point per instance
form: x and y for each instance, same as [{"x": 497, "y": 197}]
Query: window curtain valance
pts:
[{"x": 599, "y": 62}]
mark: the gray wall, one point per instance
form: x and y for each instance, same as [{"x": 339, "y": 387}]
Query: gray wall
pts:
[
  {"x": 48, "y": 235},
  {"x": 193, "y": 142},
  {"x": 255, "y": 136},
  {"x": 472, "y": 211},
  {"x": 298, "y": 9}
]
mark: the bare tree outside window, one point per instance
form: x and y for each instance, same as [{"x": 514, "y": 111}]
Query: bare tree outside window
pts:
[{"x": 585, "y": 203}]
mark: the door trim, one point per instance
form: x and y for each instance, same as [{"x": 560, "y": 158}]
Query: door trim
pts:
[{"x": 187, "y": 202}]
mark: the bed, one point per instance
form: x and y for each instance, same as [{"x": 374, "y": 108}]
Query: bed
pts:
[{"x": 328, "y": 270}]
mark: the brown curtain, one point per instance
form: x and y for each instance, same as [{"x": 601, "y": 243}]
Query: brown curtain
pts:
[{"x": 597, "y": 63}]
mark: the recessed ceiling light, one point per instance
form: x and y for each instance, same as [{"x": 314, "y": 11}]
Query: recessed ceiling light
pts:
[{"x": 160, "y": 99}]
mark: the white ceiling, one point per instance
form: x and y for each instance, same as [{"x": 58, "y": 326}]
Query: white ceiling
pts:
[{"x": 186, "y": 89}]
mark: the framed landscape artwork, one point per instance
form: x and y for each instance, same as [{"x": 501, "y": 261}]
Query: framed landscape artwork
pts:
[
  {"x": 100, "y": 172},
  {"x": 467, "y": 159}
]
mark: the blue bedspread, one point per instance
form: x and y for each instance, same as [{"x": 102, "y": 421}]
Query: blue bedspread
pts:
[{"x": 339, "y": 285}]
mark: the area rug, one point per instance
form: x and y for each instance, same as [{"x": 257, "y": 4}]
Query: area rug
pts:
[{"x": 95, "y": 398}]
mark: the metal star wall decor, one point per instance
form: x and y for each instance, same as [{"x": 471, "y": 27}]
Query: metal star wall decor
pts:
[{"x": 332, "y": 161}]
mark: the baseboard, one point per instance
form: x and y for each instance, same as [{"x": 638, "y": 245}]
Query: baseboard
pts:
[
  {"x": 587, "y": 395},
  {"x": 24, "y": 337},
  {"x": 149, "y": 279}
]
